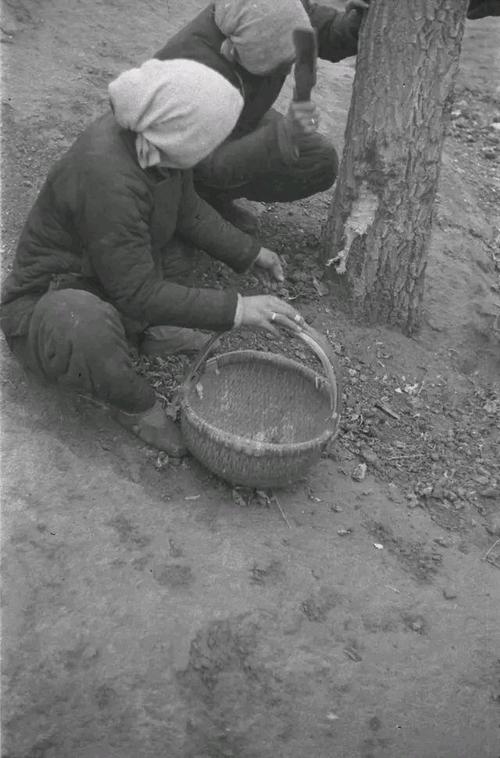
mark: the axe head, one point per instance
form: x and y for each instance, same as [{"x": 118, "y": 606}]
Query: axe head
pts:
[{"x": 306, "y": 55}]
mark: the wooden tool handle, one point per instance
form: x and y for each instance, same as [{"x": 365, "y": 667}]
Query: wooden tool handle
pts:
[{"x": 306, "y": 54}]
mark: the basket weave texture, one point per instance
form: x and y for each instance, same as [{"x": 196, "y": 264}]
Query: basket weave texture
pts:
[{"x": 257, "y": 419}]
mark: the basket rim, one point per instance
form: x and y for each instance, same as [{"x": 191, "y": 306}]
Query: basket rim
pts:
[{"x": 243, "y": 444}]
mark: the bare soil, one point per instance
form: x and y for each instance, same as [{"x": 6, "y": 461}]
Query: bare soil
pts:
[{"x": 150, "y": 610}]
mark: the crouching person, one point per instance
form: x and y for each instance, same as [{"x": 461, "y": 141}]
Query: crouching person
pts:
[
  {"x": 268, "y": 157},
  {"x": 97, "y": 259}
]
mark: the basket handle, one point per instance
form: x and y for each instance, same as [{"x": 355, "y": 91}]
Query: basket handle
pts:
[
  {"x": 201, "y": 358},
  {"x": 311, "y": 337},
  {"x": 313, "y": 340}
]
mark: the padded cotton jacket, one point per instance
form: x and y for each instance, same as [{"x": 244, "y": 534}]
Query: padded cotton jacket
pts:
[{"x": 103, "y": 223}]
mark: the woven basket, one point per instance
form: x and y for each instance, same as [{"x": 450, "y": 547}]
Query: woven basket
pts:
[{"x": 259, "y": 419}]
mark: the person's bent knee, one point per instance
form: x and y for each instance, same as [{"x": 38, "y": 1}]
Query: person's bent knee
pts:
[
  {"x": 74, "y": 335},
  {"x": 76, "y": 312},
  {"x": 78, "y": 341},
  {"x": 317, "y": 168},
  {"x": 327, "y": 162},
  {"x": 69, "y": 301}
]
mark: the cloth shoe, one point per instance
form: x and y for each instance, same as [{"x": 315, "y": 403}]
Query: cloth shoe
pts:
[
  {"x": 162, "y": 341},
  {"x": 155, "y": 428}
]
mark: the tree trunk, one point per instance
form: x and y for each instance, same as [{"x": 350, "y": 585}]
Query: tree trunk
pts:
[{"x": 378, "y": 230}]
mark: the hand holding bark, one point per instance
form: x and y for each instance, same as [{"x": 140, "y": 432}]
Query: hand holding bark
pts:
[{"x": 269, "y": 266}]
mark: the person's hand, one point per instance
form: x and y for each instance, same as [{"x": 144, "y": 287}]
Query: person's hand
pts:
[
  {"x": 357, "y": 5},
  {"x": 267, "y": 312},
  {"x": 354, "y": 12},
  {"x": 269, "y": 266},
  {"x": 303, "y": 118}
]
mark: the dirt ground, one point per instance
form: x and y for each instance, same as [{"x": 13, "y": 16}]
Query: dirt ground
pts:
[{"x": 145, "y": 612}]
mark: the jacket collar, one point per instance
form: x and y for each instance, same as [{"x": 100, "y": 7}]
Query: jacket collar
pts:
[{"x": 155, "y": 173}]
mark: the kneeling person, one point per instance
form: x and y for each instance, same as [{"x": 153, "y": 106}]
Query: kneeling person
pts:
[{"x": 92, "y": 264}]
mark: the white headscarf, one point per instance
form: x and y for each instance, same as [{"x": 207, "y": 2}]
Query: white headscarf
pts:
[
  {"x": 259, "y": 31},
  {"x": 180, "y": 109}
]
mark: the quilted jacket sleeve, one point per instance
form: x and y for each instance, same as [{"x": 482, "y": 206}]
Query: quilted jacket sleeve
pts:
[
  {"x": 200, "y": 224},
  {"x": 116, "y": 229},
  {"x": 337, "y": 31}
]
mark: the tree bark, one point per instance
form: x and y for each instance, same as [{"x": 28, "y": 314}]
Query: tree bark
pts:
[{"x": 378, "y": 230}]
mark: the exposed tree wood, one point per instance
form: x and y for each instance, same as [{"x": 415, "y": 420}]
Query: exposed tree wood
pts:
[{"x": 377, "y": 235}]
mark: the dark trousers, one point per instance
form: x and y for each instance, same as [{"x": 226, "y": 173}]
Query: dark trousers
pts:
[
  {"x": 244, "y": 174},
  {"x": 79, "y": 341}
]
